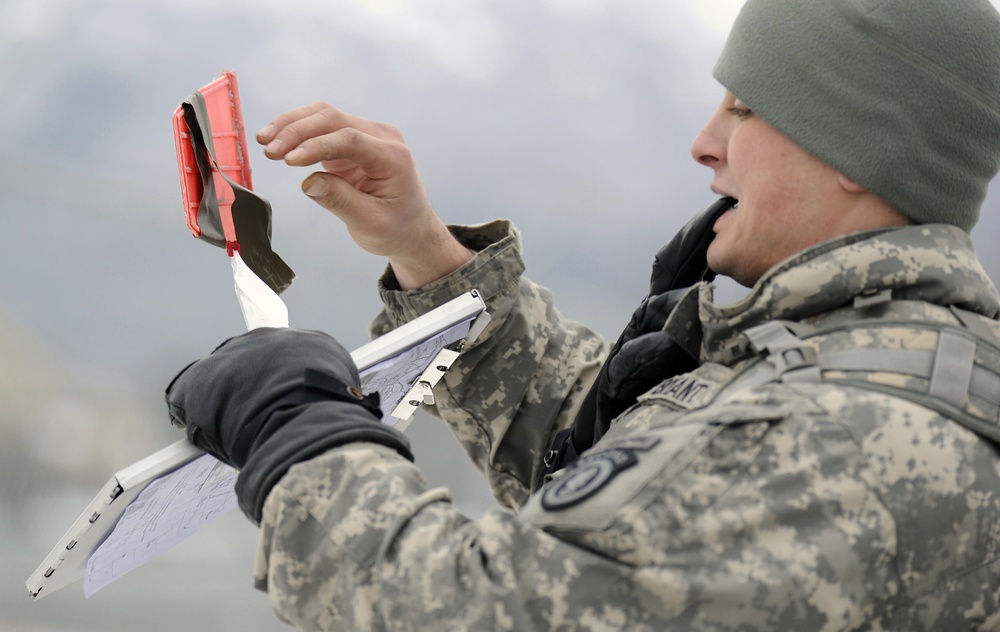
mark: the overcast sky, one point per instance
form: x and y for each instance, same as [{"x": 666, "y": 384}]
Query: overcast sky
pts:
[{"x": 568, "y": 116}]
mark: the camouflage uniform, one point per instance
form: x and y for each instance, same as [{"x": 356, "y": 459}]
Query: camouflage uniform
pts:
[{"x": 721, "y": 501}]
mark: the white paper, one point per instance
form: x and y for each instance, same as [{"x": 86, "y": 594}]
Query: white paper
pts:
[
  {"x": 261, "y": 306},
  {"x": 169, "y": 510}
]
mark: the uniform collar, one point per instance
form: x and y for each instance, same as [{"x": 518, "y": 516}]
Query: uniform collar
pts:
[{"x": 929, "y": 262}]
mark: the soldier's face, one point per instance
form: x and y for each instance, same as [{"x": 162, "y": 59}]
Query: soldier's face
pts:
[{"x": 784, "y": 192}]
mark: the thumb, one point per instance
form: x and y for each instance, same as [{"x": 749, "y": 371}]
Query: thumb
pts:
[{"x": 331, "y": 192}]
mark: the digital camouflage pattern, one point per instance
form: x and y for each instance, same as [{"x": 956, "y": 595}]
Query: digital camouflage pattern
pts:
[
  {"x": 837, "y": 504},
  {"x": 526, "y": 376}
]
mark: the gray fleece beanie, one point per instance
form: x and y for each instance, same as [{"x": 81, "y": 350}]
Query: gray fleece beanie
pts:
[{"x": 901, "y": 96}]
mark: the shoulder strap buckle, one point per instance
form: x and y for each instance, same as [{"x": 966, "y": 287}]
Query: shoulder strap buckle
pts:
[{"x": 791, "y": 359}]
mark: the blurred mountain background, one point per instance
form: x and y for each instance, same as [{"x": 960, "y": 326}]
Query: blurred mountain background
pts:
[{"x": 571, "y": 117}]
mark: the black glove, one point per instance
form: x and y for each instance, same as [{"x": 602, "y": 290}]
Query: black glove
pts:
[
  {"x": 271, "y": 398},
  {"x": 644, "y": 354}
]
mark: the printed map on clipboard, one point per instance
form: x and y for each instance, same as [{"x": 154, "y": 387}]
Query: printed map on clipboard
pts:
[{"x": 152, "y": 505}]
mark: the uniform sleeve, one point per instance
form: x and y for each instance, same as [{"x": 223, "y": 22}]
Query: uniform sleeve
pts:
[
  {"x": 746, "y": 526},
  {"x": 526, "y": 376},
  {"x": 353, "y": 540}
]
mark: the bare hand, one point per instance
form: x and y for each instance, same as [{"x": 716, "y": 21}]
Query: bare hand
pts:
[{"x": 369, "y": 180}]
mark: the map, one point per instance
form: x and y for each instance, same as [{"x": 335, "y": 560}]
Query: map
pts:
[{"x": 170, "y": 509}]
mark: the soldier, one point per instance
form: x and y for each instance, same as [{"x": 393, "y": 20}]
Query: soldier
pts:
[{"x": 820, "y": 456}]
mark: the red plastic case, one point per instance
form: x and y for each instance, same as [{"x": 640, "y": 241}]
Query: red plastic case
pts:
[{"x": 222, "y": 101}]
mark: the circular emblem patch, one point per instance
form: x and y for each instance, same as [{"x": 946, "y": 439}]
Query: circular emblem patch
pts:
[{"x": 586, "y": 477}]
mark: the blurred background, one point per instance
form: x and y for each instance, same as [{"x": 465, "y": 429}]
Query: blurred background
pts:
[{"x": 571, "y": 117}]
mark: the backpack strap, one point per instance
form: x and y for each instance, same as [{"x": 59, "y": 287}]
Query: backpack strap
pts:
[
  {"x": 789, "y": 357},
  {"x": 950, "y": 372}
]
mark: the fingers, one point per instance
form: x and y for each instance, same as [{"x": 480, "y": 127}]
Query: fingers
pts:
[
  {"x": 289, "y": 131},
  {"x": 344, "y": 149},
  {"x": 367, "y": 178},
  {"x": 271, "y": 130},
  {"x": 368, "y": 156}
]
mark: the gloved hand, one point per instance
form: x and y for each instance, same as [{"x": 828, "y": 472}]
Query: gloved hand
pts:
[
  {"x": 644, "y": 354},
  {"x": 271, "y": 398},
  {"x": 682, "y": 261}
]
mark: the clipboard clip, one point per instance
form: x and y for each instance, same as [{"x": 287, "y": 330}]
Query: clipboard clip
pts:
[{"x": 422, "y": 391}]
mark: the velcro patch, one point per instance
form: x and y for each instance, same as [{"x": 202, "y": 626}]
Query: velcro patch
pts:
[
  {"x": 587, "y": 495},
  {"x": 591, "y": 472}
]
